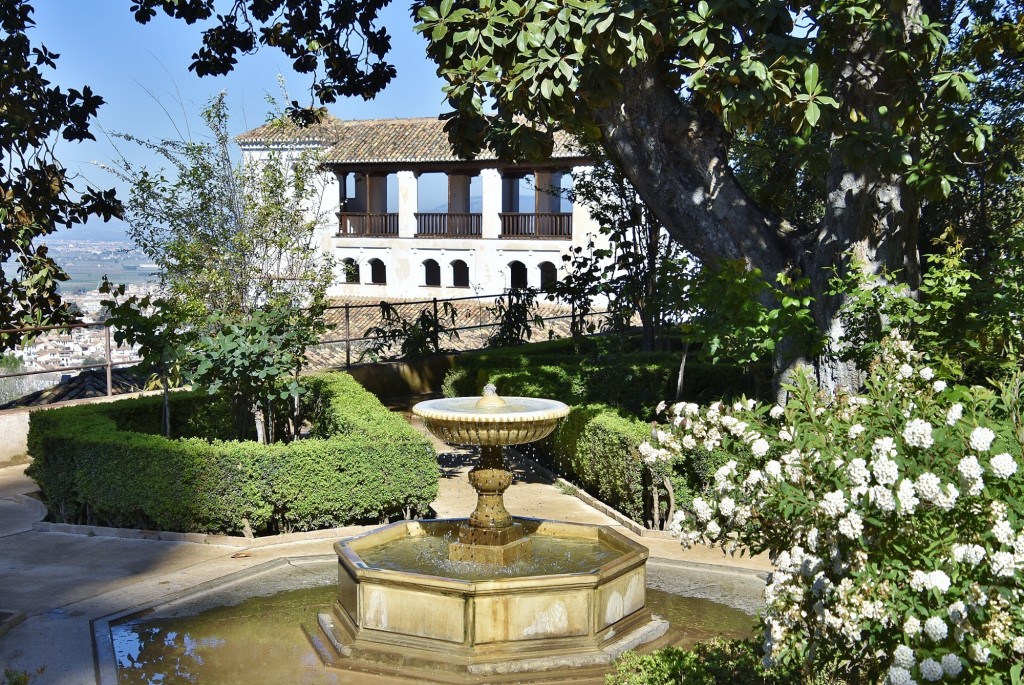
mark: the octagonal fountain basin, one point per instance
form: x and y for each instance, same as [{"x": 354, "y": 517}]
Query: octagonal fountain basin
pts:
[
  {"x": 403, "y": 606},
  {"x": 490, "y": 420}
]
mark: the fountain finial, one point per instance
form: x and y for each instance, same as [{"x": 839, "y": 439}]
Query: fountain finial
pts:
[{"x": 490, "y": 398}]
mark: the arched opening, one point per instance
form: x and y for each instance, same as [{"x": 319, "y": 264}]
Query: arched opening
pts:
[
  {"x": 378, "y": 272},
  {"x": 548, "y": 276},
  {"x": 431, "y": 273},
  {"x": 350, "y": 268},
  {"x": 517, "y": 275},
  {"x": 460, "y": 274}
]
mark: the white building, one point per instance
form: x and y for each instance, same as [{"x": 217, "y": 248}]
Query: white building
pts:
[{"x": 414, "y": 221}]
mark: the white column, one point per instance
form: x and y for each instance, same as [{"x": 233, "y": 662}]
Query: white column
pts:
[
  {"x": 408, "y": 202},
  {"x": 490, "y": 203},
  {"x": 542, "y": 191},
  {"x": 378, "y": 193},
  {"x": 583, "y": 225},
  {"x": 458, "y": 193}
]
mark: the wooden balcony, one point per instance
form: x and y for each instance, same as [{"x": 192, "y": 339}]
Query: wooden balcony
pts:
[
  {"x": 551, "y": 225},
  {"x": 448, "y": 225},
  {"x": 367, "y": 225}
]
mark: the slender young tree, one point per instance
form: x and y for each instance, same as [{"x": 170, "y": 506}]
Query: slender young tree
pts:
[{"x": 238, "y": 250}]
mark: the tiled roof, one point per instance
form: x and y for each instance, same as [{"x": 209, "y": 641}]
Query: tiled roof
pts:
[
  {"x": 91, "y": 383},
  {"x": 384, "y": 141},
  {"x": 285, "y": 131}
]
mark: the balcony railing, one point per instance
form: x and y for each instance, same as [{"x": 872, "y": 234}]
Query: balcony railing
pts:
[
  {"x": 557, "y": 225},
  {"x": 451, "y": 225},
  {"x": 367, "y": 224}
]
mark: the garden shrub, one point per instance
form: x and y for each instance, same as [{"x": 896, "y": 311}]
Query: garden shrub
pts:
[
  {"x": 716, "y": 662},
  {"x": 893, "y": 520},
  {"x": 95, "y": 464},
  {"x": 634, "y": 382},
  {"x": 597, "y": 448}
]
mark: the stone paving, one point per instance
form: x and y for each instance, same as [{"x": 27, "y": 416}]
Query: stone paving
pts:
[{"x": 52, "y": 584}]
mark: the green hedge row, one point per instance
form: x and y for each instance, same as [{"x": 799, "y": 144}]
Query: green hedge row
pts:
[
  {"x": 104, "y": 464},
  {"x": 597, "y": 448},
  {"x": 634, "y": 383}
]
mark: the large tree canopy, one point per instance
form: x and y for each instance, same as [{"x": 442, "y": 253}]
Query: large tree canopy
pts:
[{"x": 867, "y": 96}]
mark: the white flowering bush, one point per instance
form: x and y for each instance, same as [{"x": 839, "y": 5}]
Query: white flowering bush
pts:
[{"x": 893, "y": 520}]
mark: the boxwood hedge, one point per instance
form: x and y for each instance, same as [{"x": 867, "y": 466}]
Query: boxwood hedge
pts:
[{"x": 104, "y": 464}]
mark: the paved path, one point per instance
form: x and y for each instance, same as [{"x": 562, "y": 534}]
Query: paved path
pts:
[{"x": 60, "y": 582}]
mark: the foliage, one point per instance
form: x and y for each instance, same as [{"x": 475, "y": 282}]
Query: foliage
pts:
[
  {"x": 643, "y": 274},
  {"x": 597, "y": 448},
  {"x": 237, "y": 250},
  {"x": 340, "y": 35},
  {"x": 745, "y": 67},
  {"x": 37, "y": 194},
  {"x": 258, "y": 358},
  {"x": 97, "y": 464},
  {"x": 579, "y": 285},
  {"x": 891, "y": 519},
  {"x": 717, "y": 662},
  {"x": 155, "y": 326},
  {"x": 13, "y": 677},
  {"x": 611, "y": 395},
  {"x": 418, "y": 338},
  {"x": 516, "y": 317},
  {"x": 594, "y": 372},
  {"x": 742, "y": 318},
  {"x": 958, "y": 321}
]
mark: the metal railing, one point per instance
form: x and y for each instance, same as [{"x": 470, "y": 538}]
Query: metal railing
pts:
[
  {"x": 108, "y": 360},
  {"x": 556, "y": 225},
  {"x": 456, "y": 225},
  {"x": 349, "y": 328},
  {"x": 474, "y": 324},
  {"x": 367, "y": 224}
]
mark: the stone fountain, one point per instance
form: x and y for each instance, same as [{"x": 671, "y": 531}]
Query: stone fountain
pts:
[{"x": 490, "y": 597}]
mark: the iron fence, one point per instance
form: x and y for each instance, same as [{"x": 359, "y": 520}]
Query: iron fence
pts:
[{"x": 351, "y": 335}]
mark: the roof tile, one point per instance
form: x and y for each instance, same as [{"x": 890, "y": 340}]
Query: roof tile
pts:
[{"x": 381, "y": 141}]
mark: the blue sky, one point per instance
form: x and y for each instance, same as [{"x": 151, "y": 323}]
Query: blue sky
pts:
[{"x": 142, "y": 73}]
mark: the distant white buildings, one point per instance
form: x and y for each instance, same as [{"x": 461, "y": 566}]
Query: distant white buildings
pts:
[{"x": 414, "y": 221}]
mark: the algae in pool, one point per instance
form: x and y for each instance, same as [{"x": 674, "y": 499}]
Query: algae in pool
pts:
[{"x": 261, "y": 640}]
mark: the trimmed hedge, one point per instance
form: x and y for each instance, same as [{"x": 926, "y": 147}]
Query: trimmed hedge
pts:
[
  {"x": 634, "y": 382},
  {"x": 597, "y": 448},
  {"x": 104, "y": 464}
]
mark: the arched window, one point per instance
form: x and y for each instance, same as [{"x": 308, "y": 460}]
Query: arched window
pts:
[
  {"x": 431, "y": 273},
  {"x": 350, "y": 268},
  {"x": 548, "y": 276},
  {"x": 460, "y": 274},
  {"x": 517, "y": 275},
  {"x": 378, "y": 272}
]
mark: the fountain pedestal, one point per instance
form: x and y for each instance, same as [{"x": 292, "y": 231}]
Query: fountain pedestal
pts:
[{"x": 490, "y": 536}]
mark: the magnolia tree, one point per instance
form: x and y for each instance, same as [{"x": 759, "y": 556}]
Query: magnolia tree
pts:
[{"x": 892, "y": 518}]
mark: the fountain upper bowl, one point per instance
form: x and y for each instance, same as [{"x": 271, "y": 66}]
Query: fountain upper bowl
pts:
[{"x": 460, "y": 420}]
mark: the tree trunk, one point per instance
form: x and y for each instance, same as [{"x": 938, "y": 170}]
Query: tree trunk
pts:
[{"x": 676, "y": 156}]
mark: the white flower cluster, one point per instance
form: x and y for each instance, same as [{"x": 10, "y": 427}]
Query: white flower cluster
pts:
[
  {"x": 918, "y": 433},
  {"x": 935, "y": 580}
]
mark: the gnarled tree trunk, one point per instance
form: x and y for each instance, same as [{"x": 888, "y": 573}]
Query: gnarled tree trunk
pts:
[{"x": 676, "y": 156}]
